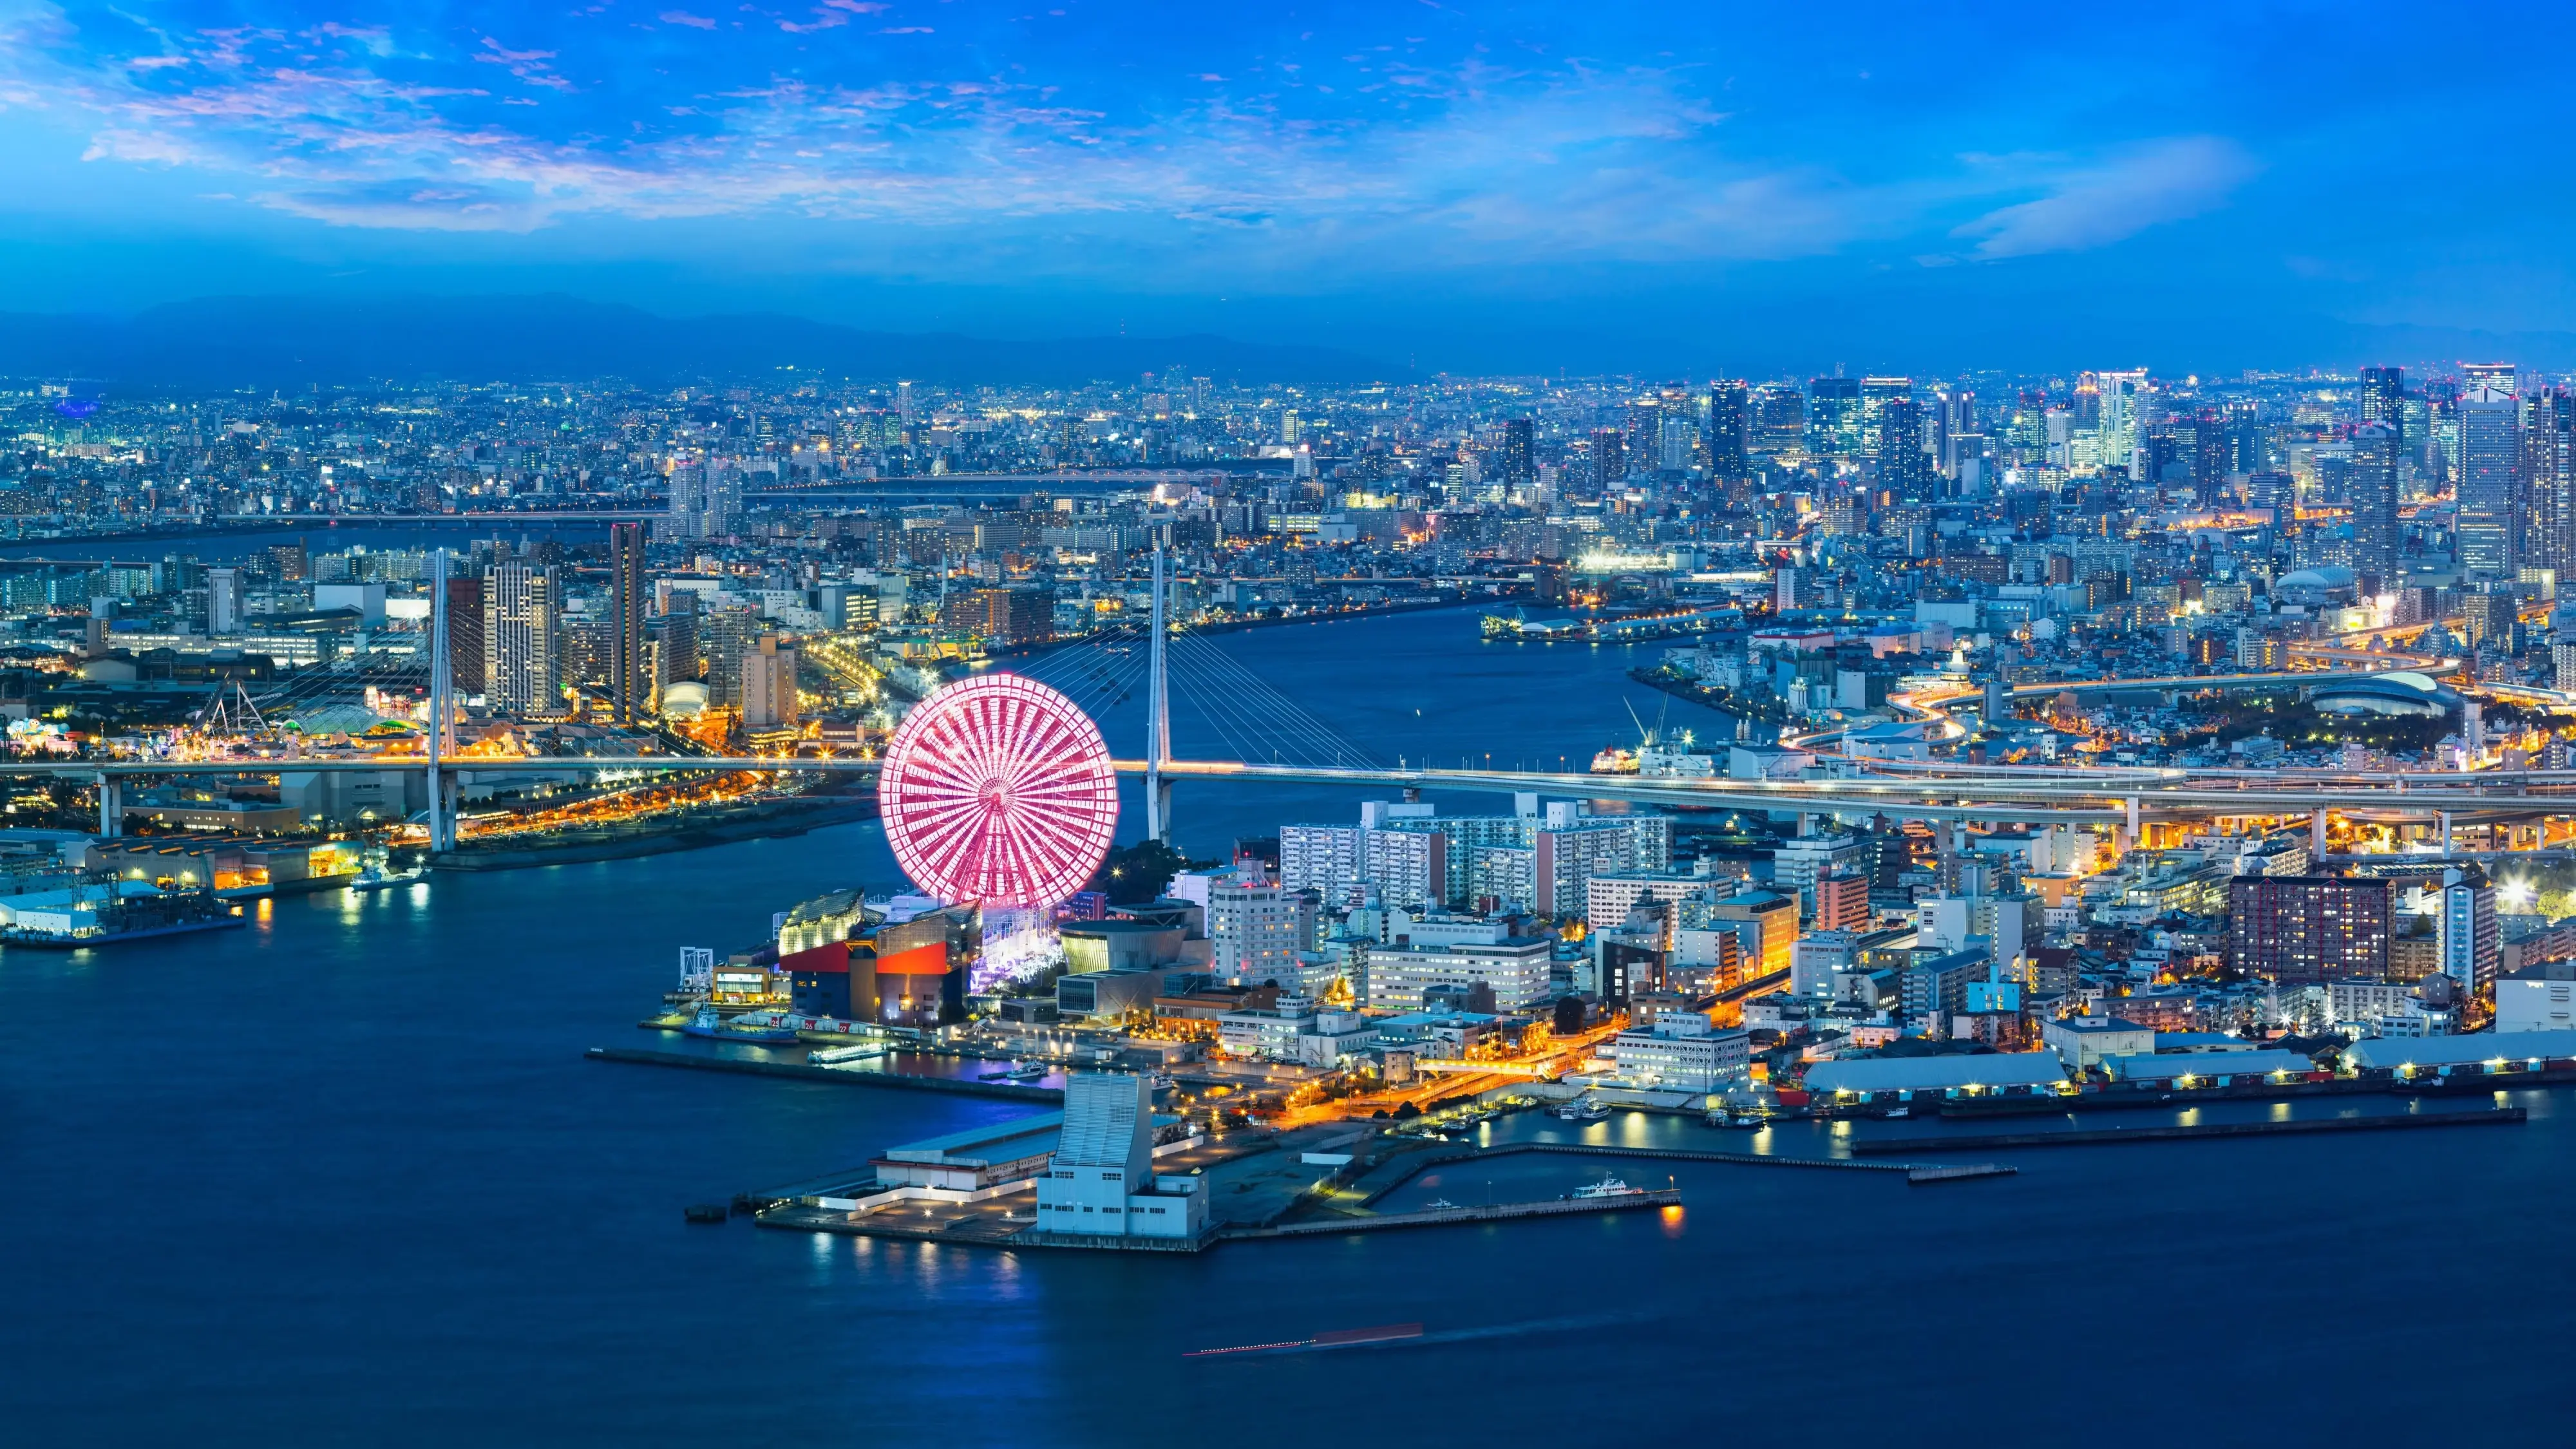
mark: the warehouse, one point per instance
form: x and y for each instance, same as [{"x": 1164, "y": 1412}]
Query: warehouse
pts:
[{"x": 1902, "y": 1079}]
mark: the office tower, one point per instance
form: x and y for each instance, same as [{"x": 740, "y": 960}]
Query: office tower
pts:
[
  {"x": 2308, "y": 928},
  {"x": 2383, "y": 395},
  {"x": 2549, "y": 481},
  {"x": 2371, "y": 485},
  {"x": 225, "y": 608},
  {"x": 290, "y": 561},
  {"x": 1729, "y": 406},
  {"x": 2490, "y": 493},
  {"x": 1833, "y": 416},
  {"x": 1780, "y": 410},
  {"x": 1904, "y": 469},
  {"x": 2497, "y": 376},
  {"x": 903, "y": 402},
  {"x": 629, "y": 686},
  {"x": 1520, "y": 456},
  {"x": 1875, "y": 394},
  {"x": 1609, "y": 458},
  {"x": 2117, "y": 394},
  {"x": 465, "y": 673},
  {"x": 769, "y": 685},
  {"x": 522, "y": 653}
]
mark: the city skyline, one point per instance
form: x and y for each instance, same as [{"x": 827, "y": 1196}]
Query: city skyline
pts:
[{"x": 1467, "y": 189}]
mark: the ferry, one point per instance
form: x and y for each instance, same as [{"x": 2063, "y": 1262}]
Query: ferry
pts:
[
  {"x": 1581, "y": 1112},
  {"x": 1608, "y": 1186},
  {"x": 1028, "y": 1073},
  {"x": 707, "y": 1023}
]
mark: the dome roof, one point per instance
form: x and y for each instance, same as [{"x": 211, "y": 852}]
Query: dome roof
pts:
[{"x": 2323, "y": 576}]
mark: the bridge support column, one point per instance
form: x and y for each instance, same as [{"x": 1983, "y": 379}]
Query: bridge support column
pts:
[
  {"x": 2129, "y": 832},
  {"x": 2444, "y": 820},
  {"x": 111, "y": 806},
  {"x": 2317, "y": 835}
]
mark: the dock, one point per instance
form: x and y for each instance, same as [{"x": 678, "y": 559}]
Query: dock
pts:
[
  {"x": 2101, "y": 1136},
  {"x": 1409, "y": 1167},
  {"x": 838, "y": 1076}
]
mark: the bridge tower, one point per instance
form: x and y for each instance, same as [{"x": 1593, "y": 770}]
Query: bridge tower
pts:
[{"x": 1158, "y": 715}]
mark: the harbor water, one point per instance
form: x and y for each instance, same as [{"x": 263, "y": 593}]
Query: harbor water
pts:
[{"x": 345, "y": 1177}]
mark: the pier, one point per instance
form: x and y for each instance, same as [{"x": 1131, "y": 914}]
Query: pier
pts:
[
  {"x": 2100, "y": 1136},
  {"x": 838, "y": 1076}
]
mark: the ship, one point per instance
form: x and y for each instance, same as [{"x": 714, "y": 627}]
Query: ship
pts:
[
  {"x": 1608, "y": 1186},
  {"x": 707, "y": 1023},
  {"x": 377, "y": 878}
]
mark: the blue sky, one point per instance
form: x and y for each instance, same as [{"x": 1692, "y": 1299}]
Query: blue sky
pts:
[{"x": 1459, "y": 184}]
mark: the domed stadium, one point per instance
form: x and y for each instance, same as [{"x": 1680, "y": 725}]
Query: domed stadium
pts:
[{"x": 2399, "y": 692}]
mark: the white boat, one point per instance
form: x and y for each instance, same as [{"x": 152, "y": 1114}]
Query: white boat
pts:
[
  {"x": 377, "y": 878},
  {"x": 1593, "y": 1112},
  {"x": 1608, "y": 1186}
]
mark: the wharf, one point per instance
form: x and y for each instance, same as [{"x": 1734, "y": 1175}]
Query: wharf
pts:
[
  {"x": 1405, "y": 1169},
  {"x": 119, "y": 938},
  {"x": 838, "y": 1076},
  {"x": 2099, "y": 1136}
]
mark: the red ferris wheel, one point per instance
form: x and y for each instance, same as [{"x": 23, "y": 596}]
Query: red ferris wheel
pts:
[{"x": 998, "y": 790}]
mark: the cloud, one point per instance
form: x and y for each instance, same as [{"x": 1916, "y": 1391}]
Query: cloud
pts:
[
  {"x": 2161, "y": 181},
  {"x": 1457, "y": 161}
]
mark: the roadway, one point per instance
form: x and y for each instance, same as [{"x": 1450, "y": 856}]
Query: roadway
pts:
[{"x": 2068, "y": 797}]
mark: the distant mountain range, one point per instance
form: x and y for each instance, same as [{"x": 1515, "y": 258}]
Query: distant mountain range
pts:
[{"x": 264, "y": 342}]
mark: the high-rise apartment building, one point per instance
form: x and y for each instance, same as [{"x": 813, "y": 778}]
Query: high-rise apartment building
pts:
[
  {"x": 2490, "y": 491},
  {"x": 2549, "y": 481},
  {"x": 522, "y": 648},
  {"x": 769, "y": 685},
  {"x": 2371, "y": 483},
  {"x": 465, "y": 669},
  {"x": 725, "y": 638},
  {"x": 629, "y": 680},
  {"x": 1609, "y": 458},
  {"x": 2308, "y": 928},
  {"x": 1520, "y": 454},
  {"x": 226, "y": 610}
]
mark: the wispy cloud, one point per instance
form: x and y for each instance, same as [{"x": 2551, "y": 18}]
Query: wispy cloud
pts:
[
  {"x": 1395, "y": 156},
  {"x": 2094, "y": 206}
]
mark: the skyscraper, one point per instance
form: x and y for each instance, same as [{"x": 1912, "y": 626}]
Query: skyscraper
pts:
[
  {"x": 465, "y": 670},
  {"x": 225, "y": 609},
  {"x": 1520, "y": 460},
  {"x": 630, "y": 685},
  {"x": 769, "y": 685},
  {"x": 2383, "y": 395},
  {"x": 522, "y": 656},
  {"x": 2549, "y": 478},
  {"x": 2372, "y": 483},
  {"x": 1903, "y": 467},
  {"x": 2497, "y": 375},
  {"x": 1833, "y": 416},
  {"x": 1875, "y": 394},
  {"x": 1609, "y": 458},
  {"x": 2490, "y": 494},
  {"x": 1728, "y": 407}
]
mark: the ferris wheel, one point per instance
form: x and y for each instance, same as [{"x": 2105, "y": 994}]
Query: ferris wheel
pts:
[{"x": 998, "y": 790}]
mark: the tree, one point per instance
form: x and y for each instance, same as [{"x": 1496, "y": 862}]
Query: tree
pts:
[
  {"x": 1407, "y": 1112},
  {"x": 1569, "y": 1015},
  {"x": 1135, "y": 875}
]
